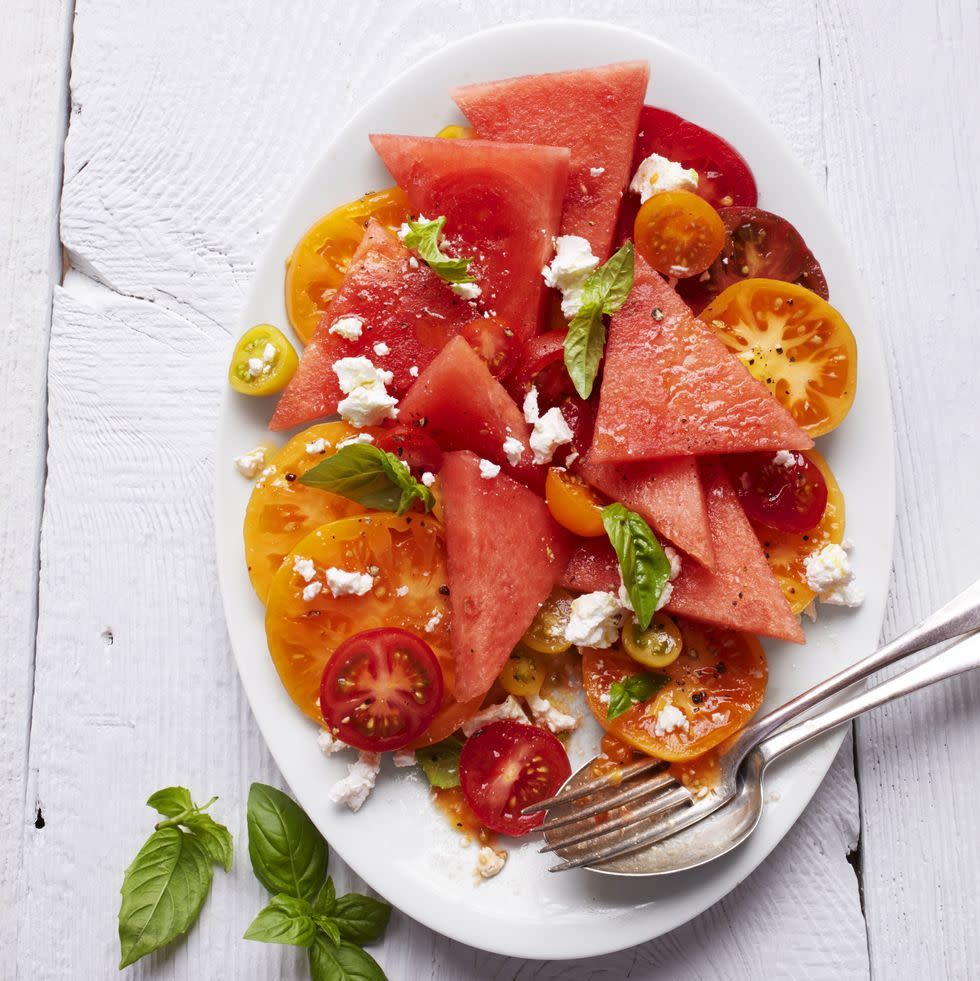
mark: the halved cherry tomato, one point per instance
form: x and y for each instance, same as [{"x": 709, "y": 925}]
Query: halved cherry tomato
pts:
[
  {"x": 495, "y": 342},
  {"x": 788, "y": 497},
  {"x": 795, "y": 343},
  {"x": 263, "y": 362},
  {"x": 656, "y": 647},
  {"x": 317, "y": 266},
  {"x": 580, "y": 416},
  {"x": 758, "y": 244},
  {"x": 508, "y": 766},
  {"x": 718, "y": 685},
  {"x": 573, "y": 503},
  {"x": 787, "y": 552},
  {"x": 546, "y": 635},
  {"x": 381, "y": 689},
  {"x": 678, "y": 233},
  {"x": 455, "y": 132},
  {"x": 413, "y": 445},
  {"x": 522, "y": 675},
  {"x": 542, "y": 365}
]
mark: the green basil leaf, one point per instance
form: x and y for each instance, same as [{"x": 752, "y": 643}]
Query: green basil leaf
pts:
[
  {"x": 362, "y": 919},
  {"x": 326, "y": 898},
  {"x": 643, "y": 564},
  {"x": 342, "y": 963},
  {"x": 329, "y": 926},
  {"x": 163, "y": 891},
  {"x": 426, "y": 237},
  {"x": 632, "y": 690},
  {"x": 171, "y": 802},
  {"x": 288, "y": 854},
  {"x": 371, "y": 477},
  {"x": 214, "y": 837},
  {"x": 608, "y": 286},
  {"x": 440, "y": 762},
  {"x": 286, "y": 920}
]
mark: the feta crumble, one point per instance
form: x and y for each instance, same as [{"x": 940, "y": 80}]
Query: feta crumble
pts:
[
  {"x": 428, "y": 478},
  {"x": 368, "y": 401},
  {"x": 403, "y": 757},
  {"x": 354, "y": 440},
  {"x": 670, "y": 719},
  {"x": 401, "y": 591},
  {"x": 413, "y": 262},
  {"x": 329, "y": 743},
  {"x": 304, "y": 567},
  {"x": 381, "y": 349},
  {"x": 317, "y": 445},
  {"x": 349, "y": 328},
  {"x": 513, "y": 450},
  {"x": 489, "y": 862},
  {"x": 545, "y": 714},
  {"x": 433, "y": 622},
  {"x": 414, "y": 371},
  {"x": 830, "y": 576},
  {"x": 597, "y": 171},
  {"x": 595, "y": 620},
  {"x": 312, "y": 590},
  {"x": 250, "y": 464},
  {"x": 468, "y": 291},
  {"x": 784, "y": 458},
  {"x": 488, "y": 469},
  {"x": 531, "y": 411},
  {"x": 569, "y": 270},
  {"x": 550, "y": 431},
  {"x": 657, "y": 173},
  {"x": 354, "y": 789},
  {"x": 510, "y": 708},
  {"x": 345, "y": 583}
]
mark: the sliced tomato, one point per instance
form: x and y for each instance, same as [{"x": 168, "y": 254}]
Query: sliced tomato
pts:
[
  {"x": 787, "y": 496},
  {"x": 381, "y": 689},
  {"x": 542, "y": 366},
  {"x": 573, "y": 503},
  {"x": 678, "y": 233},
  {"x": 546, "y": 635},
  {"x": 505, "y": 768},
  {"x": 413, "y": 445},
  {"x": 495, "y": 342},
  {"x": 263, "y": 361}
]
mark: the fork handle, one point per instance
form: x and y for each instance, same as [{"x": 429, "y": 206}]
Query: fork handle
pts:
[
  {"x": 957, "y": 659},
  {"x": 959, "y": 616}
]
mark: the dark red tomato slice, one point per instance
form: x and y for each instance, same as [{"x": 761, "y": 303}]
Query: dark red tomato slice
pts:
[
  {"x": 508, "y": 766},
  {"x": 580, "y": 416},
  {"x": 413, "y": 445},
  {"x": 381, "y": 689},
  {"x": 542, "y": 364},
  {"x": 789, "y": 497},
  {"x": 759, "y": 245},
  {"x": 493, "y": 339},
  {"x": 724, "y": 178}
]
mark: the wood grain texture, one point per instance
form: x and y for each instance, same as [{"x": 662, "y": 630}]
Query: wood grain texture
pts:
[{"x": 189, "y": 127}]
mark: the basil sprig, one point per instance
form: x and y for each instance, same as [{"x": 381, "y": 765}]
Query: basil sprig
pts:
[
  {"x": 167, "y": 883},
  {"x": 632, "y": 690},
  {"x": 643, "y": 564},
  {"x": 426, "y": 238},
  {"x": 289, "y": 857},
  {"x": 603, "y": 293},
  {"x": 371, "y": 477}
]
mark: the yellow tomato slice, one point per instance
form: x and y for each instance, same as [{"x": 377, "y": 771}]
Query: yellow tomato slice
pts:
[
  {"x": 656, "y": 647},
  {"x": 546, "y": 635},
  {"x": 787, "y": 552},
  {"x": 573, "y": 503},
  {"x": 263, "y": 361},
  {"x": 678, "y": 233},
  {"x": 455, "y": 132},
  {"x": 317, "y": 266},
  {"x": 795, "y": 343}
]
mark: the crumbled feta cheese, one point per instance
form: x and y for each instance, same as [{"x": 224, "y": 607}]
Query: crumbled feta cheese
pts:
[
  {"x": 531, "y": 411},
  {"x": 569, "y": 270},
  {"x": 329, "y": 743},
  {"x": 344, "y": 583},
  {"x": 720, "y": 718},
  {"x": 571, "y": 457},
  {"x": 546, "y": 715},
  {"x": 468, "y": 291},
  {"x": 488, "y": 469},
  {"x": 349, "y": 328},
  {"x": 595, "y": 620},
  {"x": 830, "y": 576},
  {"x": 354, "y": 440},
  {"x": 597, "y": 171},
  {"x": 784, "y": 458},
  {"x": 304, "y": 567},
  {"x": 367, "y": 402},
  {"x": 317, "y": 445},
  {"x": 670, "y": 719},
  {"x": 657, "y": 173},
  {"x": 354, "y": 789},
  {"x": 268, "y": 354},
  {"x": 513, "y": 450},
  {"x": 381, "y": 349},
  {"x": 403, "y": 757},
  {"x": 550, "y": 432},
  {"x": 249, "y": 464},
  {"x": 413, "y": 262},
  {"x": 312, "y": 590},
  {"x": 255, "y": 366},
  {"x": 401, "y": 591},
  {"x": 428, "y": 478},
  {"x": 414, "y": 371},
  {"x": 489, "y": 862},
  {"x": 433, "y": 622},
  {"x": 605, "y": 697},
  {"x": 510, "y": 708}
]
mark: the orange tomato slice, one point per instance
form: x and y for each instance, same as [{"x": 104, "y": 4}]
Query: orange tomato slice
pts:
[
  {"x": 718, "y": 683},
  {"x": 795, "y": 343},
  {"x": 317, "y": 266},
  {"x": 573, "y": 503},
  {"x": 678, "y": 233}
]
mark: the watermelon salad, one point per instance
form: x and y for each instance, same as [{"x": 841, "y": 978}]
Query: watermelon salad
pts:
[{"x": 551, "y": 435}]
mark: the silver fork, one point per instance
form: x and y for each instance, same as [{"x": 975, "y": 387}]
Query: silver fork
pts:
[{"x": 627, "y": 800}]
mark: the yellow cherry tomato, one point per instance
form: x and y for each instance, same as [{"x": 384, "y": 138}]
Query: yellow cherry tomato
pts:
[
  {"x": 263, "y": 362},
  {"x": 522, "y": 674},
  {"x": 657, "y": 646},
  {"x": 546, "y": 635},
  {"x": 455, "y": 132},
  {"x": 678, "y": 233},
  {"x": 573, "y": 503}
]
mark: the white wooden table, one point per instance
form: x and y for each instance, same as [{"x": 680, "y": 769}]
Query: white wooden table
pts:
[{"x": 156, "y": 143}]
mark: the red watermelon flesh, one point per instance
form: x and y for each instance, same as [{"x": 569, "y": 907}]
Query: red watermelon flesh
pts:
[
  {"x": 463, "y": 407},
  {"x": 740, "y": 592},
  {"x": 504, "y": 554},
  {"x": 671, "y": 388},
  {"x": 592, "y": 568},
  {"x": 666, "y": 493},
  {"x": 408, "y": 308},
  {"x": 502, "y": 203},
  {"x": 592, "y": 111}
]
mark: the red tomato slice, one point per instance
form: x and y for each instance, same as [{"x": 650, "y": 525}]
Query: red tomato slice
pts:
[
  {"x": 542, "y": 364},
  {"x": 413, "y": 445},
  {"x": 508, "y": 766},
  {"x": 495, "y": 342},
  {"x": 381, "y": 689},
  {"x": 788, "y": 497}
]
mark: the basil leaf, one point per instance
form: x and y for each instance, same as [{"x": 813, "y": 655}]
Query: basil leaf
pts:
[
  {"x": 603, "y": 293},
  {"x": 215, "y": 838},
  {"x": 329, "y": 926},
  {"x": 440, "y": 762},
  {"x": 286, "y": 920},
  {"x": 632, "y": 690},
  {"x": 342, "y": 963},
  {"x": 163, "y": 891},
  {"x": 326, "y": 898},
  {"x": 425, "y": 237},
  {"x": 288, "y": 854},
  {"x": 371, "y": 477},
  {"x": 171, "y": 802},
  {"x": 362, "y": 919},
  {"x": 643, "y": 564}
]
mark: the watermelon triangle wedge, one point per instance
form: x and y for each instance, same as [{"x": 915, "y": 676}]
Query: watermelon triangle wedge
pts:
[
  {"x": 592, "y": 111},
  {"x": 502, "y": 203},
  {"x": 405, "y": 307},
  {"x": 504, "y": 554},
  {"x": 671, "y": 388}
]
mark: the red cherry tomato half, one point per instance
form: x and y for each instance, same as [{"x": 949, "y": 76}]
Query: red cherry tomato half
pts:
[
  {"x": 508, "y": 766},
  {"x": 542, "y": 364},
  {"x": 413, "y": 445},
  {"x": 493, "y": 339},
  {"x": 580, "y": 416},
  {"x": 789, "y": 497},
  {"x": 381, "y": 689}
]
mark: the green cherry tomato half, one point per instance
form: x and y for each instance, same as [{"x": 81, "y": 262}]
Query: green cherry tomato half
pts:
[
  {"x": 264, "y": 362},
  {"x": 657, "y": 646}
]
